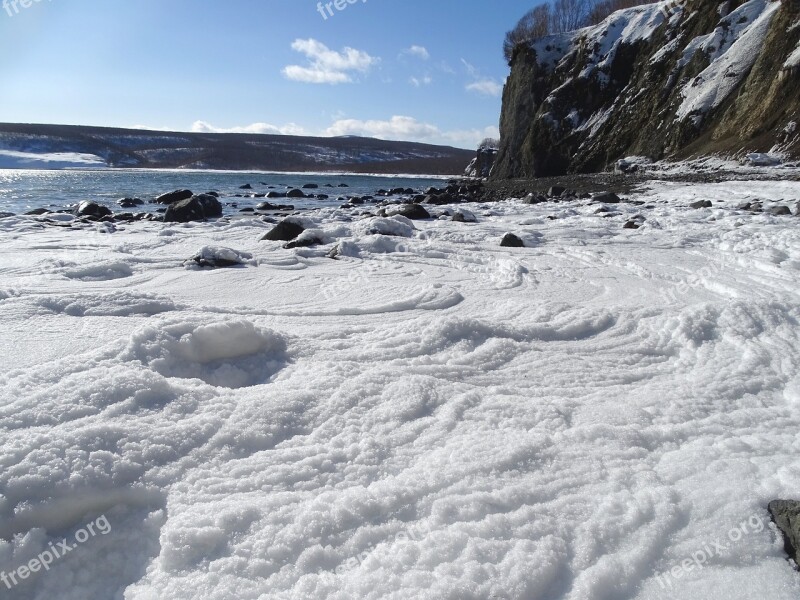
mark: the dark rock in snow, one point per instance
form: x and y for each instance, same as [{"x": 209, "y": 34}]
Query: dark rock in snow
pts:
[
  {"x": 92, "y": 209},
  {"x": 310, "y": 186},
  {"x": 246, "y": 186},
  {"x": 295, "y": 193},
  {"x": 606, "y": 198},
  {"x": 701, "y": 204},
  {"x": 631, "y": 225},
  {"x": 285, "y": 231},
  {"x": 464, "y": 216},
  {"x": 343, "y": 185},
  {"x": 534, "y": 199},
  {"x": 196, "y": 208},
  {"x": 304, "y": 243},
  {"x": 786, "y": 515},
  {"x": 777, "y": 211},
  {"x": 5, "y": 215},
  {"x": 173, "y": 197},
  {"x": 275, "y": 195},
  {"x": 511, "y": 241},
  {"x": 556, "y": 191},
  {"x": 37, "y": 212},
  {"x": 409, "y": 211}
]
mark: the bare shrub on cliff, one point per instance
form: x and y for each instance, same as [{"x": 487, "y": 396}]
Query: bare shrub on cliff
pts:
[
  {"x": 534, "y": 25},
  {"x": 569, "y": 15}
]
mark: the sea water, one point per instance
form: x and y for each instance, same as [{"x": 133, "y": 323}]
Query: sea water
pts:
[{"x": 25, "y": 190}]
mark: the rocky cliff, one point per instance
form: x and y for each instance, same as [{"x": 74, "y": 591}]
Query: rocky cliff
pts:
[{"x": 669, "y": 80}]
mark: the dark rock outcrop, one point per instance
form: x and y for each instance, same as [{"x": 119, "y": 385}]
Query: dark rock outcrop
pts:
[
  {"x": 786, "y": 515},
  {"x": 651, "y": 81}
]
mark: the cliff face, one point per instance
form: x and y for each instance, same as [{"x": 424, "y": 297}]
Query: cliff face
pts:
[{"x": 669, "y": 80}]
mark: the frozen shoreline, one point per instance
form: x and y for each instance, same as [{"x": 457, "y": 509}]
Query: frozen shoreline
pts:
[{"x": 428, "y": 416}]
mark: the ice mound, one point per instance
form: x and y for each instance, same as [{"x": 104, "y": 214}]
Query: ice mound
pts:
[{"x": 231, "y": 354}]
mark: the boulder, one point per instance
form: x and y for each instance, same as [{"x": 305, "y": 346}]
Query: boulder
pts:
[
  {"x": 556, "y": 191},
  {"x": 701, "y": 204},
  {"x": 786, "y": 515},
  {"x": 631, "y": 225},
  {"x": 92, "y": 209},
  {"x": 511, "y": 241},
  {"x": 295, "y": 193},
  {"x": 409, "y": 211},
  {"x": 343, "y": 185},
  {"x": 464, "y": 216},
  {"x": 606, "y": 198},
  {"x": 130, "y": 202},
  {"x": 173, "y": 197},
  {"x": 196, "y": 208},
  {"x": 285, "y": 231},
  {"x": 439, "y": 199},
  {"x": 246, "y": 186},
  {"x": 533, "y": 199},
  {"x": 275, "y": 195},
  {"x": 36, "y": 212},
  {"x": 777, "y": 211},
  {"x": 310, "y": 186},
  {"x": 303, "y": 242}
]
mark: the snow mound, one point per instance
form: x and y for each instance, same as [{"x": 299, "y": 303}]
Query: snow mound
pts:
[{"x": 232, "y": 354}]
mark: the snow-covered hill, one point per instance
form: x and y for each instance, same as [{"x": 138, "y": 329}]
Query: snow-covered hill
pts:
[{"x": 56, "y": 146}]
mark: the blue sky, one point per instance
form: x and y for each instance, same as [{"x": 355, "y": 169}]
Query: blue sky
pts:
[{"x": 425, "y": 70}]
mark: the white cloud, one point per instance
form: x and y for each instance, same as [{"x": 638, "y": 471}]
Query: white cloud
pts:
[
  {"x": 479, "y": 84},
  {"x": 396, "y": 128},
  {"x": 410, "y": 129},
  {"x": 420, "y": 81},
  {"x": 418, "y": 51},
  {"x": 487, "y": 87},
  {"x": 326, "y": 65},
  {"x": 259, "y": 128}
]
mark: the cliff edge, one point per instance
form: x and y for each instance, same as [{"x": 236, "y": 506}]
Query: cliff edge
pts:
[{"x": 670, "y": 80}]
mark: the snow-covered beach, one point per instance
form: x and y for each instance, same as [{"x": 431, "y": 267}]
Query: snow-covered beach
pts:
[{"x": 602, "y": 414}]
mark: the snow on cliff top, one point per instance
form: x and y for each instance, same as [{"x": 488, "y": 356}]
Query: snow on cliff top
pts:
[{"x": 625, "y": 26}]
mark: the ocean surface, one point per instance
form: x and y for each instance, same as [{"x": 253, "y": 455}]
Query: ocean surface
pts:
[{"x": 24, "y": 190}]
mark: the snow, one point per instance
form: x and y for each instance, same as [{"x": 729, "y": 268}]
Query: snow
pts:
[
  {"x": 732, "y": 49},
  {"x": 624, "y": 27},
  {"x": 11, "y": 159},
  {"x": 793, "y": 60},
  {"x": 428, "y": 416}
]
